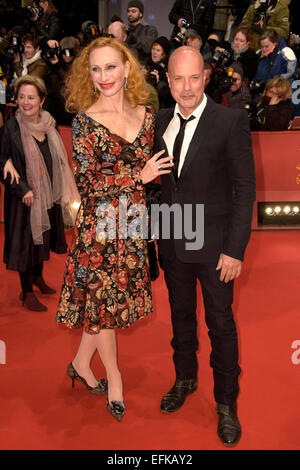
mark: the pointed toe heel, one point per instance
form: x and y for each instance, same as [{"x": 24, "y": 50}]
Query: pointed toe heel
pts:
[
  {"x": 100, "y": 389},
  {"x": 116, "y": 409}
]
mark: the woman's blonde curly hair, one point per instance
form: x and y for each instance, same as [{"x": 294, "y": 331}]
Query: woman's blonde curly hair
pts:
[{"x": 79, "y": 89}]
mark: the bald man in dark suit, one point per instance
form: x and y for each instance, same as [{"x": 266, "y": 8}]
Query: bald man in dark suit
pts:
[{"x": 213, "y": 175}]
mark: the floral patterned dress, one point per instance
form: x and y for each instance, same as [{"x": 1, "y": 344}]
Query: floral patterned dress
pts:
[{"x": 106, "y": 282}]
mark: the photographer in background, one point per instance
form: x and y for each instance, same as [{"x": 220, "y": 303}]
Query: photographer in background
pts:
[
  {"x": 156, "y": 65},
  {"x": 59, "y": 62},
  {"x": 274, "y": 112},
  {"x": 10, "y": 47},
  {"x": 244, "y": 53},
  {"x": 208, "y": 50},
  {"x": 238, "y": 96},
  {"x": 263, "y": 14},
  {"x": 187, "y": 12},
  {"x": 193, "y": 37},
  {"x": 90, "y": 31},
  {"x": 47, "y": 23},
  {"x": 118, "y": 30},
  {"x": 275, "y": 58},
  {"x": 140, "y": 35},
  {"x": 294, "y": 43},
  {"x": 30, "y": 62}
]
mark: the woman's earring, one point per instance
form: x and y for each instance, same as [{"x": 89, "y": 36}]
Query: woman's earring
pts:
[
  {"x": 95, "y": 89},
  {"x": 126, "y": 83}
]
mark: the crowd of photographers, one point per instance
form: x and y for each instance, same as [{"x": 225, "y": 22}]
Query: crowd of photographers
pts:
[{"x": 251, "y": 54}]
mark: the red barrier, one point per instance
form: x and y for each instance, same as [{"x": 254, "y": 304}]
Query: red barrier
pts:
[{"x": 277, "y": 166}]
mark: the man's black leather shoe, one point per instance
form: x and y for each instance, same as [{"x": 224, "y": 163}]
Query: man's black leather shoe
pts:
[
  {"x": 229, "y": 428},
  {"x": 174, "y": 399}
]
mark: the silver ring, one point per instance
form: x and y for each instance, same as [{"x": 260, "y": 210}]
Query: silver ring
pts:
[{"x": 159, "y": 167}]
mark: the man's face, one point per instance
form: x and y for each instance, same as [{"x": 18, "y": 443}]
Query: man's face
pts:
[
  {"x": 186, "y": 79},
  {"x": 29, "y": 50},
  {"x": 117, "y": 32},
  {"x": 134, "y": 15},
  {"x": 237, "y": 82}
]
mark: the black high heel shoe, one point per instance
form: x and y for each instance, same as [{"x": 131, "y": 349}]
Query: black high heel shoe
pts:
[
  {"x": 100, "y": 389},
  {"x": 116, "y": 409}
]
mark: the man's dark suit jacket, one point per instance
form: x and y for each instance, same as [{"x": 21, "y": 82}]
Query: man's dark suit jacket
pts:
[{"x": 218, "y": 172}]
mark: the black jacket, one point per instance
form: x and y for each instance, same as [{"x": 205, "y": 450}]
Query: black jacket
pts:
[
  {"x": 55, "y": 101},
  {"x": 18, "y": 239},
  {"x": 218, "y": 172},
  {"x": 273, "y": 117},
  {"x": 140, "y": 39},
  {"x": 49, "y": 27}
]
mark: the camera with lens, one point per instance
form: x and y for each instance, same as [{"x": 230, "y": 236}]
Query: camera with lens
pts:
[
  {"x": 15, "y": 45},
  {"x": 68, "y": 52},
  {"x": 255, "y": 115},
  {"x": 91, "y": 29},
  {"x": 260, "y": 15},
  {"x": 49, "y": 53},
  {"x": 179, "y": 38},
  {"x": 223, "y": 58},
  {"x": 257, "y": 87},
  {"x": 223, "y": 73},
  {"x": 33, "y": 11},
  {"x": 223, "y": 78},
  {"x": 11, "y": 45}
]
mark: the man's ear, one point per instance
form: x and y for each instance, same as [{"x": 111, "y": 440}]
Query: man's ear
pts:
[{"x": 168, "y": 78}]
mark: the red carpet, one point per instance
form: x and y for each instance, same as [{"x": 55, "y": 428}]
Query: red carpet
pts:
[{"x": 40, "y": 410}]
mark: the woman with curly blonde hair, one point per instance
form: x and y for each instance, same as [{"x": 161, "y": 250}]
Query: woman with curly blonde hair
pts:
[
  {"x": 80, "y": 91},
  {"x": 107, "y": 283}
]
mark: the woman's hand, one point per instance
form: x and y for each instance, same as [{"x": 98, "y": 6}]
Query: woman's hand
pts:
[
  {"x": 156, "y": 166},
  {"x": 28, "y": 199},
  {"x": 9, "y": 168},
  {"x": 274, "y": 100},
  {"x": 52, "y": 43},
  {"x": 179, "y": 22},
  {"x": 156, "y": 75}
]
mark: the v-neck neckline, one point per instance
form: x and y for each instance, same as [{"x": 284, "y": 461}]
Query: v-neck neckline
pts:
[{"x": 114, "y": 133}]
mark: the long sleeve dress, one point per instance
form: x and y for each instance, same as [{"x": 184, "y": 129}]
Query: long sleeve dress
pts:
[{"x": 106, "y": 282}]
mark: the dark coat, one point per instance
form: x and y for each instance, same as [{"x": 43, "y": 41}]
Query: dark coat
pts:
[
  {"x": 18, "y": 239},
  {"x": 218, "y": 172},
  {"x": 249, "y": 61},
  {"x": 140, "y": 39},
  {"x": 273, "y": 117},
  {"x": 204, "y": 13},
  {"x": 49, "y": 27},
  {"x": 55, "y": 101}
]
